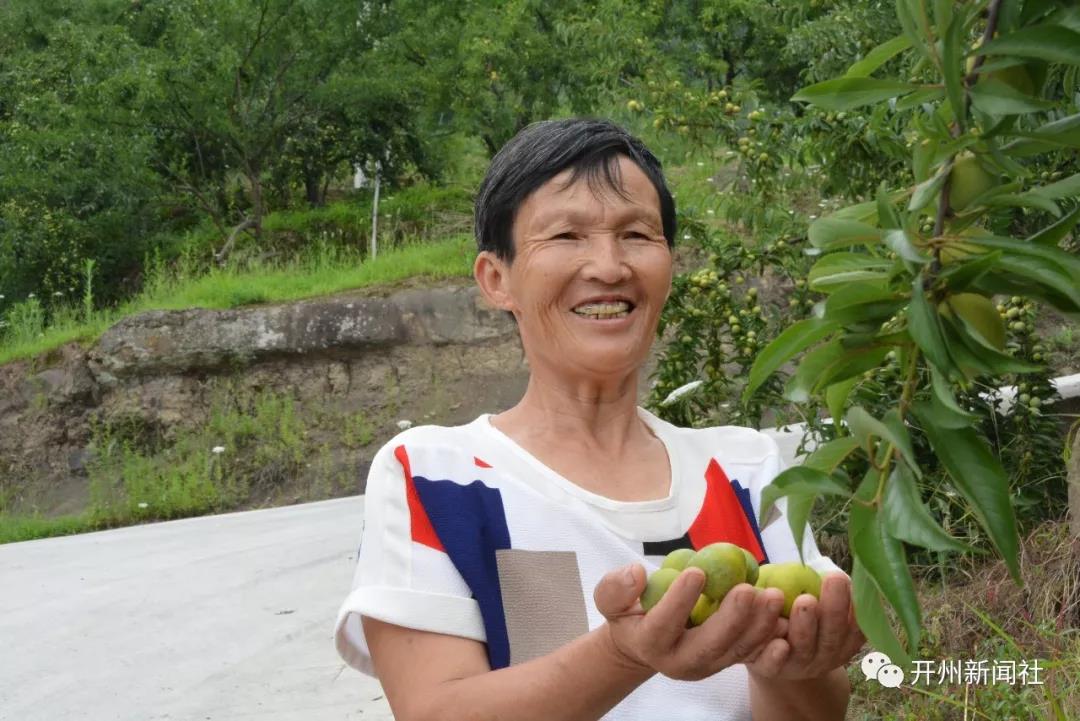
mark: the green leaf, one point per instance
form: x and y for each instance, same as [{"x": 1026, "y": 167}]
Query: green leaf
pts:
[
  {"x": 798, "y": 510},
  {"x": 1064, "y": 132},
  {"x": 952, "y": 62},
  {"x": 863, "y": 212},
  {"x": 948, "y": 411},
  {"x": 838, "y": 269},
  {"x": 959, "y": 330},
  {"x": 928, "y": 190},
  {"x": 923, "y": 157},
  {"x": 847, "y": 93},
  {"x": 996, "y": 98},
  {"x": 925, "y": 329},
  {"x": 907, "y": 12},
  {"x": 853, "y": 362},
  {"x": 1065, "y": 291},
  {"x": 801, "y": 383},
  {"x": 879, "y": 56},
  {"x": 917, "y": 98},
  {"x": 793, "y": 340},
  {"x": 864, "y": 426},
  {"x": 871, "y": 617},
  {"x": 960, "y": 276},
  {"x": 1053, "y": 43},
  {"x": 908, "y": 518},
  {"x": 888, "y": 217},
  {"x": 979, "y": 478},
  {"x": 1067, "y": 264},
  {"x": 901, "y": 244},
  {"x": 831, "y": 232},
  {"x": 1026, "y": 200},
  {"x": 1065, "y": 188},
  {"x": 885, "y": 561},
  {"x": 1053, "y": 234},
  {"x": 836, "y": 396},
  {"x": 828, "y": 456},
  {"x": 861, "y": 301},
  {"x": 801, "y": 485}
]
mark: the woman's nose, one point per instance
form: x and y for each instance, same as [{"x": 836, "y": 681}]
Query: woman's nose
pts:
[{"x": 607, "y": 258}]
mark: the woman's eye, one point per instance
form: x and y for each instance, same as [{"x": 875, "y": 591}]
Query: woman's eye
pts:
[{"x": 567, "y": 235}]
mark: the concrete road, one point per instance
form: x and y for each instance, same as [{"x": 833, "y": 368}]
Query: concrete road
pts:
[{"x": 222, "y": 618}]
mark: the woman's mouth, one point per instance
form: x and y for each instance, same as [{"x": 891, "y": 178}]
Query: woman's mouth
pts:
[{"x": 606, "y": 311}]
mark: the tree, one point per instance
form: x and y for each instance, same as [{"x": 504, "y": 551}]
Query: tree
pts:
[{"x": 913, "y": 273}]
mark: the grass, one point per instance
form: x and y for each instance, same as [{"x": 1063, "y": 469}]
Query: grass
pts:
[
  {"x": 321, "y": 269},
  {"x": 15, "y": 528},
  {"x": 253, "y": 448}
]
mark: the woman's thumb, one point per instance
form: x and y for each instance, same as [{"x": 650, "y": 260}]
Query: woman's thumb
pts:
[{"x": 619, "y": 590}]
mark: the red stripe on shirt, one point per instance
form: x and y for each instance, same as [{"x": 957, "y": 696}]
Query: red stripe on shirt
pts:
[
  {"x": 420, "y": 524},
  {"x": 481, "y": 463},
  {"x": 721, "y": 517}
]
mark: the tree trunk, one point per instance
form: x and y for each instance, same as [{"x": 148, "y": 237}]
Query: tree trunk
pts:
[
  {"x": 255, "y": 178},
  {"x": 313, "y": 188},
  {"x": 1073, "y": 477}
]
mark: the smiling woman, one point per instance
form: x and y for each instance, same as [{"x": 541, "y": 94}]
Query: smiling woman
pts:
[{"x": 501, "y": 561}]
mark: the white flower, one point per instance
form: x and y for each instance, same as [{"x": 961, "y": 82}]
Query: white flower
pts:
[
  {"x": 217, "y": 449},
  {"x": 700, "y": 164},
  {"x": 404, "y": 425},
  {"x": 681, "y": 391},
  {"x": 1, "y": 296},
  {"x": 58, "y": 293},
  {"x": 710, "y": 211},
  {"x": 686, "y": 236},
  {"x": 144, "y": 504},
  {"x": 30, "y": 296}
]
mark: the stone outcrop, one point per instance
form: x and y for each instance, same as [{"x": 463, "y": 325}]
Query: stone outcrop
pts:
[{"x": 430, "y": 355}]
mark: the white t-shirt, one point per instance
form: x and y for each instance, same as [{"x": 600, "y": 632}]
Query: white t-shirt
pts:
[{"x": 466, "y": 533}]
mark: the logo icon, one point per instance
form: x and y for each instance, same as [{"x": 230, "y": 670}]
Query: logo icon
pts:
[{"x": 879, "y": 667}]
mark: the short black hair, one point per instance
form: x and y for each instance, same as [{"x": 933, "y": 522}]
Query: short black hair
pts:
[{"x": 544, "y": 149}]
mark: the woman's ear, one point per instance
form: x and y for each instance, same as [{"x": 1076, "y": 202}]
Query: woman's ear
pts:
[{"x": 493, "y": 277}]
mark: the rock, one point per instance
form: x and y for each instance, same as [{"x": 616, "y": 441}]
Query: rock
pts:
[
  {"x": 61, "y": 385},
  {"x": 77, "y": 460},
  {"x": 200, "y": 340}
]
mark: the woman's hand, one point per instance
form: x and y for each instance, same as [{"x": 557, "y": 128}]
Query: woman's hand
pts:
[
  {"x": 821, "y": 635},
  {"x": 746, "y": 626}
]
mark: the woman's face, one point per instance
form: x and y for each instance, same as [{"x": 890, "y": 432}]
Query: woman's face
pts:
[{"x": 574, "y": 246}]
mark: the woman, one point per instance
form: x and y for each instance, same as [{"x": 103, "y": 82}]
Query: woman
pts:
[{"x": 501, "y": 561}]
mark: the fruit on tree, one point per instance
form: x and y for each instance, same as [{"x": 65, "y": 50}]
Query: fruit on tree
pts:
[
  {"x": 968, "y": 180},
  {"x": 793, "y": 578},
  {"x": 657, "y": 585},
  {"x": 980, "y": 313},
  {"x": 724, "y": 565}
]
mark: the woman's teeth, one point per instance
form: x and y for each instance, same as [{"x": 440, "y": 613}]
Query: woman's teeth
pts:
[{"x": 596, "y": 311}]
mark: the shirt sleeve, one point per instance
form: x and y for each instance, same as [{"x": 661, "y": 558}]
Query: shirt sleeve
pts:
[
  {"x": 776, "y": 536},
  {"x": 402, "y": 576}
]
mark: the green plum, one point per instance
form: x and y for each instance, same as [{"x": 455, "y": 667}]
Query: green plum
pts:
[
  {"x": 656, "y": 586},
  {"x": 678, "y": 558},
  {"x": 751, "y": 567},
  {"x": 724, "y": 565},
  {"x": 704, "y": 608},
  {"x": 793, "y": 578}
]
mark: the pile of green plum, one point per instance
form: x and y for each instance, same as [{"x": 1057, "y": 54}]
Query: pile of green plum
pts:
[{"x": 725, "y": 566}]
